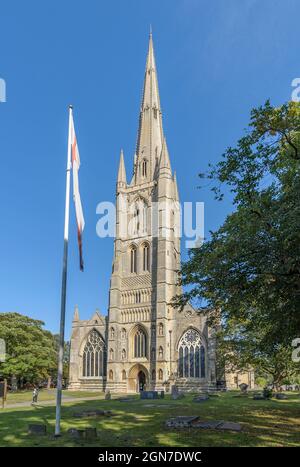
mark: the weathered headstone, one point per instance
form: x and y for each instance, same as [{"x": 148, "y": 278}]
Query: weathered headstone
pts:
[
  {"x": 281, "y": 396},
  {"x": 201, "y": 397},
  {"x": 209, "y": 424},
  {"x": 174, "y": 389},
  {"x": 75, "y": 433},
  {"x": 108, "y": 396},
  {"x": 232, "y": 426},
  {"x": 258, "y": 397},
  {"x": 149, "y": 395},
  {"x": 34, "y": 429},
  {"x": 181, "y": 421},
  {"x": 125, "y": 399},
  {"x": 243, "y": 387}
]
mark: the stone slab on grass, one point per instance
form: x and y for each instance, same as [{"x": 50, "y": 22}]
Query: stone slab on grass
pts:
[
  {"x": 149, "y": 395},
  {"x": 281, "y": 396},
  {"x": 232, "y": 426},
  {"x": 35, "y": 429},
  {"x": 194, "y": 422},
  {"x": 126, "y": 399},
  {"x": 181, "y": 421},
  {"x": 201, "y": 398},
  {"x": 92, "y": 413},
  {"x": 208, "y": 425},
  {"x": 86, "y": 433}
]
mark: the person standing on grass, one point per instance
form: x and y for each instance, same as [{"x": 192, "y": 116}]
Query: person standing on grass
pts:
[{"x": 35, "y": 394}]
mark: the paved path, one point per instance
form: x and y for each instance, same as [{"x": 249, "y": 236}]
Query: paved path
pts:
[{"x": 50, "y": 402}]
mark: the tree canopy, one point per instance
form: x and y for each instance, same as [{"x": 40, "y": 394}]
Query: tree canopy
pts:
[
  {"x": 30, "y": 350},
  {"x": 249, "y": 270}
]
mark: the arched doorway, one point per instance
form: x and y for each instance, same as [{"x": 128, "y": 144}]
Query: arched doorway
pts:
[
  {"x": 138, "y": 378},
  {"x": 141, "y": 379}
]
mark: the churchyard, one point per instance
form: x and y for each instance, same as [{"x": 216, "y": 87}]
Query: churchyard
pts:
[{"x": 130, "y": 421}]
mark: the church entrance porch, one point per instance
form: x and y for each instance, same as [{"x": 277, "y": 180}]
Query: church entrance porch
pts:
[
  {"x": 141, "y": 381},
  {"x": 138, "y": 378}
]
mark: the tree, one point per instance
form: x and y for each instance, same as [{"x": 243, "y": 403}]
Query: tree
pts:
[
  {"x": 249, "y": 270},
  {"x": 30, "y": 350}
]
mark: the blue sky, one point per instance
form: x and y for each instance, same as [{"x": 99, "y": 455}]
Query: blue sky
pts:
[{"x": 216, "y": 60}]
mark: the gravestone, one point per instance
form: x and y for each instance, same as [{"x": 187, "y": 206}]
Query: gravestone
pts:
[
  {"x": 201, "y": 398},
  {"x": 208, "y": 425},
  {"x": 174, "y": 389},
  {"x": 258, "y": 397},
  {"x": 232, "y": 426},
  {"x": 108, "y": 396},
  {"x": 281, "y": 396},
  {"x": 243, "y": 387},
  {"x": 181, "y": 421},
  {"x": 149, "y": 395},
  {"x": 34, "y": 429},
  {"x": 76, "y": 434}
]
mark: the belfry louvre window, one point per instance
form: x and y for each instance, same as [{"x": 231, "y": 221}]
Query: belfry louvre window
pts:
[
  {"x": 93, "y": 356},
  {"x": 191, "y": 363},
  {"x": 146, "y": 258},
  {"x": 139, "y": 344},
  {"x": 144, "y": 168},
  {"x": 133, "y": 259}
]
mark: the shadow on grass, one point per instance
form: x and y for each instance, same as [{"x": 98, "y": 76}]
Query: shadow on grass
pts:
[{"x": 142, "y": 423}]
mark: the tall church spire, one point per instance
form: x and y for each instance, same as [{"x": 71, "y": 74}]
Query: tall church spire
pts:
[{"x": 150, "y": 132}]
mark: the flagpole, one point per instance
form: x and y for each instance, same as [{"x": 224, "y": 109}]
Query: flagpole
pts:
[{"x": 63, "y": 287}]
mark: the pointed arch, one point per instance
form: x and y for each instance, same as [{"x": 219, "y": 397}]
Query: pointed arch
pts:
[
  {"x": 93, "y": 356},
  {"x": 133, "y": 258},
  {"x": 192, "y": 355},
  {"x": 139, "y": 342}
]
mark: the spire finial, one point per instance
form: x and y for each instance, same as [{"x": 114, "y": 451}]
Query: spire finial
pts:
[
  {"x": 76, "y": 313},
  {"x": 150, "y": 29},
  {"x": 122, "y": 172}
]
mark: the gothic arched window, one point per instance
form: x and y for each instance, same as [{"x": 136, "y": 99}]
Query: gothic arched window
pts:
[
  {"x": 123, "y": 375},
  {"x": 191, "y": 363},
  {"x": 146, "y": 257},
  {"x": 139, "y": 344},
  {"x": 133, "y": 261},
  {"x": 161, "y": 352},
  {"x": 93, "y": 356},
  {"x": 153, "y": 375}
]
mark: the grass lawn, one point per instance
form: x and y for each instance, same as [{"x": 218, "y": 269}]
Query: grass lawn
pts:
[
  {"x": 141, "y": 423},
  {"x": 47, "y": 395}
]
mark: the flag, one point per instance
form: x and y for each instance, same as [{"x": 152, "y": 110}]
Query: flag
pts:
[{"x": 76, "y": 195}]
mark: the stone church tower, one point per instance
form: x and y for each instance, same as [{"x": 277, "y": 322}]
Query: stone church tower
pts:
[{"x": 144, "y": 342}]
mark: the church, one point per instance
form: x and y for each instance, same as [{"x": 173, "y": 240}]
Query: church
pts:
[{"x": 144, "y": 343}]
